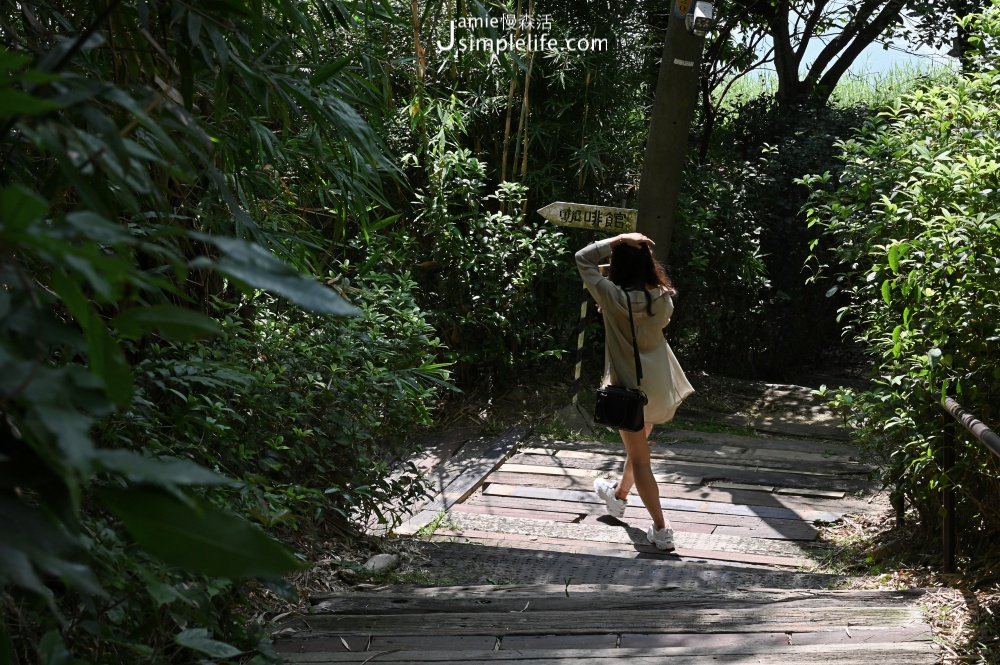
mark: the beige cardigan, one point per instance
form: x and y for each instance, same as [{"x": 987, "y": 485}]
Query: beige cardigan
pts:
[{"x": 663, "y": 380}]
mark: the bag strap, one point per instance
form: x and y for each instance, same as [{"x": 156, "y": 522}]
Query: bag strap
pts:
[{"x": 635, "y": 345}]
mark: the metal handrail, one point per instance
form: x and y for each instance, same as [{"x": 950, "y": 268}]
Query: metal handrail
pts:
[
  {"x": 976, "y": 428},
  {"x": 988, "y": 438}
]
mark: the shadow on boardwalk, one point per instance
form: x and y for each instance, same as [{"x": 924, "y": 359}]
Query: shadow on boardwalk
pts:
[{"x": 535, "y": 571}]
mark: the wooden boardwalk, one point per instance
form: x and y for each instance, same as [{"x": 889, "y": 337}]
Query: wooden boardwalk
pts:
[{"x": 533, "y": 569}]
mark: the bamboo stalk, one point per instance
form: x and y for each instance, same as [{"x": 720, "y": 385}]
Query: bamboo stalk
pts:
[
  {"x": 419, "y": 69},
  {"x": 510, "y": 109},
  {"x": 418, "y": 49},
  {"x": 583, "y": 129},
  {"x": 521, "y": 117},
  {"x": 526, "y": 108}
]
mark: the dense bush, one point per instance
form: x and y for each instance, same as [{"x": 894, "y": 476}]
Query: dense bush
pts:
[
  {"x": 491, "y": 282},
  {"x": 915, "y": 234},
  {"x": 719, "y": 272},
  {"x": 745, "y": 308},
  {"x": 309, "y": 411},
  {"x": 139, "y": 330}
]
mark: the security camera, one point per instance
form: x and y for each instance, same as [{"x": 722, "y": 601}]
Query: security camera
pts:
[{"x": 699, "y": 19}]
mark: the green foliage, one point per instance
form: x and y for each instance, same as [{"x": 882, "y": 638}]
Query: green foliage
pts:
[
  {"x": 310, "y": 411},
  {"x": 718, "y": 270},
  {"x": 138, "y": 163},
  {"x": 914, "y": 236},
  {"x": 482, "y": 271},
  {"x": 744, "y": 308}
]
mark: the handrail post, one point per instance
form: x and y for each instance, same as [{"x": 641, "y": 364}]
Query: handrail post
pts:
[{"x": 948, "y": 496}]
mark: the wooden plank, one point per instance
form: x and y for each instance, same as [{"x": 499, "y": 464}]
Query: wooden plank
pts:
[
  {"x": 630, "y": 535},
  {"x": 533, "y": 642},
  {"x": 712, "y": 471},
  {"x": 633, "y": 512},
  {"x": 674, "y": 491},
  {"x": 914, "y": 653},
  {"x": 721, "y": 484},
  {"x": 476, "y": 472},
  {"x": 594, "y": 658},
  {"x": 772, "y": 618},
  {"x": 296, "y": 645},
  {"x": 814, "y": 431},
  {"x": 728, "y": 455},
  {"x": 918, "y": 632},
  {"x": 799, "y": 531},
  {"x": 686, "y": 505},
  {"x": 561, "y": 546},
  {"x": 744, "y": 640},
  {"x": 510, "y": 467},
  {"x": 835, "y": 450},
  {"x": 432, "y": 643},
  {"x": 677, "y": 525},
  {"x": 732, "y": 455},
  {"x": 553, "y": 597},
  {"x": 923, "y": 656},
  {"x": 823, "y": 494},
  {"x": 514, "y": 512},
  {"x": 618, "y": 550},
  {"x": 439, "y": 447},
  {"x": 417, "y": 522},
  {"x": 437, "y": 462}
]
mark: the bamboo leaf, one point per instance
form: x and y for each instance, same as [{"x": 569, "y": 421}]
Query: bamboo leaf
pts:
[
  {"x": 253, "y": 265},
  {"x": 163, "y": 471},
  {"x": 328, "y": 71},
  {"x": 176, "y": 323},
  {"x": 198, "y": 639},
  {"x": 198, "y": 536},
  {"x": 107, "y": 360}
]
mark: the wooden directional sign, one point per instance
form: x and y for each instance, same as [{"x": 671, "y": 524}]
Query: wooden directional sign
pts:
[{"x": 598, "y": 218}]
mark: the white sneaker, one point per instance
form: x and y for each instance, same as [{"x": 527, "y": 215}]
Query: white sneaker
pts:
[
  {"x": 606, "y": 490},
  {"x": 662, "y": 538}
]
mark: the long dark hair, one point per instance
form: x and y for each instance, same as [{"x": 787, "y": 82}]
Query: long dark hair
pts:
[{"x": 635, "y": 267}]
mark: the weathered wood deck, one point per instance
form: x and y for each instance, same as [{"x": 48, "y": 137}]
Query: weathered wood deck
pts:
[{"x": 549, "y": 577}]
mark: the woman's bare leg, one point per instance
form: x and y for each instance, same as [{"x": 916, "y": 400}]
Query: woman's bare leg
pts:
[
  {"x": 637, "y": 448},
  {"x": 628, "y": 479}
]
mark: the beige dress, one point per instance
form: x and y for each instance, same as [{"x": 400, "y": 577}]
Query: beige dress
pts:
[{"x": 663, "y": 380}]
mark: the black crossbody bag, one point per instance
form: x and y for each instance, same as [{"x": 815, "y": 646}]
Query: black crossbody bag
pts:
[{"x": 618, "y": 407}]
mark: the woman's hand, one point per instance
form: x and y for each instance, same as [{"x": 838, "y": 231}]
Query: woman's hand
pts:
[{"x": 634, "y": 239}]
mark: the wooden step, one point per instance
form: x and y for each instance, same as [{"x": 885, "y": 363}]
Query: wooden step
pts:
[
  {"x": 770, "y": 618},
  {"x": 707, "y": 471},
  {"x": 684, "y": 505},
  {"x": 914, "y": 653},
  {"x": 574, "y": 511},
  {"x": 570, "y": 478},
  {"x": 827, "y": 449},
  {"x": 729, "y": 455},
  {"x": 588, "y": 548},
  {"x": 551, "y": 597}
]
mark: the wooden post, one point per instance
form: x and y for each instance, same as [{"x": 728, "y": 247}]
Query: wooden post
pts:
[
  {"x": 666, "y": 144},
  {"x": 581, "y": 328},
  {"x": 948, "y": 496}
]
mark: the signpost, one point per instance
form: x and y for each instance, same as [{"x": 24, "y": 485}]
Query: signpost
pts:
[{"x": 598, "y": 218}]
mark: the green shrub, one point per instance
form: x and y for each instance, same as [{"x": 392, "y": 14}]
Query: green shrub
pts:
[
  {"x": 491, "y": 282},
  {"x": 915, "y": 237},
  {"x": 719, "y": 273},
  {"x": 311, "y": 412},
  {"x": 744, "y": 307}
]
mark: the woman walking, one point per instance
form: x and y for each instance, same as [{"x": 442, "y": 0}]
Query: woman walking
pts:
[{"x": 636, "y": 280}]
